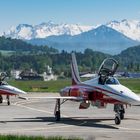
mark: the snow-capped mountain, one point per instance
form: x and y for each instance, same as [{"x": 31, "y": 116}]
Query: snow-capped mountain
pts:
[
  {"x": 130, "y": 28},
  {"x": 22, "y": 31},
  {"x": 103, "y": 38},
  {"x": 43, "y": 30},
  {"x": 112, "y": 37}
]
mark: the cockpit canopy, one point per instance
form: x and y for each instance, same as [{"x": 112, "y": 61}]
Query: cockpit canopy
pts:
[
  {"x": 112, "y": 81},
  {"x": 107, "y": 70},
  {"x": 108, "y": 67}
]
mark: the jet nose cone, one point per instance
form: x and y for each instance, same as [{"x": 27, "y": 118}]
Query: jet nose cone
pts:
[
  {"x": 21, "y": 92},
  {"x": 135, "y": 99},
  {"x": 15, "y": 90}
]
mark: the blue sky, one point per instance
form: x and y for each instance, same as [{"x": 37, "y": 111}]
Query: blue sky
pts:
[{"x": 86, "y": 12}]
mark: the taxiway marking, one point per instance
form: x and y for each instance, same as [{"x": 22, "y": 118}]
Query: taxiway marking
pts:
[{"x": 22, "y": 104}]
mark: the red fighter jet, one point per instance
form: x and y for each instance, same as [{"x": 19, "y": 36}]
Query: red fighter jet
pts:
[
  {"x": 99, "y": 91},
  {"x": 8, "y": 90}
]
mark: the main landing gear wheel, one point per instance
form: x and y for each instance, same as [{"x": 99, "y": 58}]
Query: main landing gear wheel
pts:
[
  {"x": 8, "y": 100},
  {"x": 1, "y": 99},
  {"x": 117, "y": 119},
  {"x": 8, "y": 103},
  {"x": 121, "y": 115},
  {"x": 57, "y": 116},
  {"x": 57, "y": 110}
]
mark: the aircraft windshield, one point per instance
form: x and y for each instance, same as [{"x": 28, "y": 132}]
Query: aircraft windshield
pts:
[{"x": 112, "y": 81}]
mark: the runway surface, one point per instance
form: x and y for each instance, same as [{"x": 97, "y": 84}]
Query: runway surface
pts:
[{"x": 35, "y": 117}]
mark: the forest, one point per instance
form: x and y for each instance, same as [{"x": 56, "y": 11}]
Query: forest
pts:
[{"x": 26, "y": 56}]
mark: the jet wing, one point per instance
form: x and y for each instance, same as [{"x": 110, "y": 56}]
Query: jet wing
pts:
[{"x": 65, "y": 98}]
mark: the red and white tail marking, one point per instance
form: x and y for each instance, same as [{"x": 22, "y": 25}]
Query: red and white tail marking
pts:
[{"x": 75, "y": 72}]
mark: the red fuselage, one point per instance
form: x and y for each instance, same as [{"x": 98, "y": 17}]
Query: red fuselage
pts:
[{"x": 87, "y": 94}]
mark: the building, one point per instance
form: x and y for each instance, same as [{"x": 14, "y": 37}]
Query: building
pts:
[
  {"x": 30, "y": 75},
  {"x": 15, "y": 74},
  {"x": 33, "y": 75},
  {"x": 48, "y": 75}
]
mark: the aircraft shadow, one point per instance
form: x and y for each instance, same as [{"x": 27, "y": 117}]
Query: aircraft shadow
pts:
[{"x": 77, "y": 121}]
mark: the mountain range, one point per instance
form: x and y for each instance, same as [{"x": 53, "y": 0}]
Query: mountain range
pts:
[
  {"x": 112, "y": 37},
  {"x": 43, "y": 30}
]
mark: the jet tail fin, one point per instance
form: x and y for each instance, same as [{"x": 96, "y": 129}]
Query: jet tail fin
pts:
[{"x": 75, "y": 72}]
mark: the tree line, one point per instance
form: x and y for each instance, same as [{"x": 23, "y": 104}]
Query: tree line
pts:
[{"x": 26, "y": 56}]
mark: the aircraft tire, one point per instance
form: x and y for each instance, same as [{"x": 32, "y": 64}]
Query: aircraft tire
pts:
[
  {"x": 122, "y": 115},
  {"x": 117, "y": 120},
  {"x": 8, "y": 103},
  {"x": 57, "y": 116},
  {"x": 1, "y": 99}
]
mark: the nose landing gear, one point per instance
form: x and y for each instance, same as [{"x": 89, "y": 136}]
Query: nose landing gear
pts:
[
  {"x": 1, "y": 99},
  {"x": 8, "y": 100},
  {"x": 117, "y": 119},
  {"x": 119, "y": 109}
]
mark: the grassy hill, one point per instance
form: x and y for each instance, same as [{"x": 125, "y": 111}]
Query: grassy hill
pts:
[
  {"x": 17, "y": 45},
  {"x": 130, "y": 58}
]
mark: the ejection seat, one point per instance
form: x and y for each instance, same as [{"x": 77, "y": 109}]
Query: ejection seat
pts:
[{"x": 107, "y": 68}]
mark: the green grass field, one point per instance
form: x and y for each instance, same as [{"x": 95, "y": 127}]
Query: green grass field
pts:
[
  {"x": 41, "y": 86},
  {"x": 16, "y": 137},
  {"x": 55, "y": 86},
  {"x": 133, "y": 84},
  {"x": 6, "y": 53}
]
